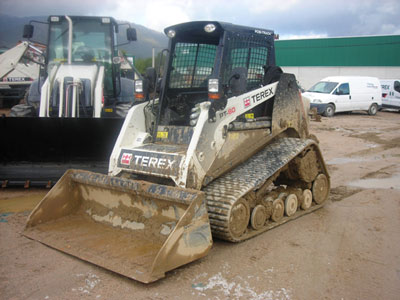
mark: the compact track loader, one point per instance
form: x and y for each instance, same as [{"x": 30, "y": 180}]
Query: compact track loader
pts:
[{"x": 224, "y": 152}]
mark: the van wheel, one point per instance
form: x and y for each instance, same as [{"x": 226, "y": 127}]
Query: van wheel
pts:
[
  {"x": 329, "y": 111},
  {"x": 373, "y": 109}
]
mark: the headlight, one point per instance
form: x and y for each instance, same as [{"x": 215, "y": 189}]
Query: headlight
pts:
[
  {"x": 209, "y": 28},
  {"x": 171, "y": 33},
  {"x": 138, "y": 86},
  {"x": 213, "y": 86},
  {"x": 317, "y": 101}
]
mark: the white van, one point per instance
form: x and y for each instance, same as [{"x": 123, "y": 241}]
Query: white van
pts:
[
  {"x": 390, "y": 93},
  {"x": 345, "y": 93}
]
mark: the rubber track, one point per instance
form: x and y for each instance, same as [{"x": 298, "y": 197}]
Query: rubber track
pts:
[{"x": 222, "y": 193}]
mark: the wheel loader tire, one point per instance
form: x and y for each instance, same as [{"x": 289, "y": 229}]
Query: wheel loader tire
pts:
[{"x": 22, "y": 110}]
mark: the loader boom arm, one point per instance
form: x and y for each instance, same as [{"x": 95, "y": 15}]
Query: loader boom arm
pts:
[{"x": 10, "y": 58}]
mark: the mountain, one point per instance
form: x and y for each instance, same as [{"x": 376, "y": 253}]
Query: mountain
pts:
[{"x": 11, "y": 29}]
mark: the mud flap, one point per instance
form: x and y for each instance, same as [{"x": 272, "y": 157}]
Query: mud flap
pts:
[{"x": 135, "y": 228}]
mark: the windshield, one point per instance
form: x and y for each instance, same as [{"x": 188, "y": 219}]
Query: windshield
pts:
[
  {"x": 192, "y": 64},
  {"x": 91, "y": 43},
  {"x": 324, "y": 87}
]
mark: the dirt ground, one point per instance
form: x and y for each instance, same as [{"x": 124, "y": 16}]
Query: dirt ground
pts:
[{"x": 349, "y": 249}]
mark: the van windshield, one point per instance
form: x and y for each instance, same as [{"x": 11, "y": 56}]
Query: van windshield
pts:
[{"x": 324, "y": 87}]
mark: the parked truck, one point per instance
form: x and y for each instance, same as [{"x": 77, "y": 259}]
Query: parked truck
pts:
[
  {"x": 345, "y": 94},
  {"x": 390, "y": 93}
]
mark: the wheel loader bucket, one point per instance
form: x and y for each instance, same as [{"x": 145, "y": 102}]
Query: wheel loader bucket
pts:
[{"x": 135, "y": 228}]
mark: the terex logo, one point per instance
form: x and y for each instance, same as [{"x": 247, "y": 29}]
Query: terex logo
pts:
[
  {"x": 246, "y": 102},
  {"x": 154, "y": 162},
  {"x": 126, "y": 158},
  {"x": 142, "y": 160},
  {"x": 262, "y": 95}
]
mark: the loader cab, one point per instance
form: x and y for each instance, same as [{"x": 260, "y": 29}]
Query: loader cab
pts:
[
  {"x": 211, "y": 61},
  {"x": 94, "y": 41},
  {"x": 81, "y": 41}
]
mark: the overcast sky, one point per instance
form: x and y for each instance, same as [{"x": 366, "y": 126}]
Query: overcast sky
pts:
[{"x": 288, "y": 18}]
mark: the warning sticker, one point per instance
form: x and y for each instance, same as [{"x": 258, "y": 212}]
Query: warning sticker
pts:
[{"x": 162, "y": 134}]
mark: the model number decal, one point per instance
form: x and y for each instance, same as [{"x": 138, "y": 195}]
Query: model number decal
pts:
[{"x": 229, "y": 111}]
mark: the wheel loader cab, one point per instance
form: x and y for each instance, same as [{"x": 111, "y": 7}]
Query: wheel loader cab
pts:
[
  {"x": 233, "y": 57},
  {"x": 93, "y": 44},
  {"x": 83, "y": 68}
]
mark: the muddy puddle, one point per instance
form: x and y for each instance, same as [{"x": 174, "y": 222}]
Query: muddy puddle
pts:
[
  {"x": 21, "y": 203},
  {"x": 346, "y": 160},
  {"x": 378, "y": 183}
]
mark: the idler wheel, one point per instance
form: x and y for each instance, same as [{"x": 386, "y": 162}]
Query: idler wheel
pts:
[
  {"x": 239, "y": 218},
  {"x": 320, "y": 189}
]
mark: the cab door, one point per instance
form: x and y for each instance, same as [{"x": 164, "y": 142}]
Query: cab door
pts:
[
  {"x": 395, "y": 94},
  {"x": 343, "y": 97}
]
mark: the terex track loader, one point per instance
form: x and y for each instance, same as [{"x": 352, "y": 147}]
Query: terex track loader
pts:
[
  {"x": 224, "y": 152},
  {"x": 75, "y": 109},
  {"x": 19, "y": 66}
]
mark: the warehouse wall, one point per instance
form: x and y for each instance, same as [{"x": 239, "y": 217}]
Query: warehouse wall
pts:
[
  {"x": 308, "y": 76},
  {"x": 313, "y": 59}
]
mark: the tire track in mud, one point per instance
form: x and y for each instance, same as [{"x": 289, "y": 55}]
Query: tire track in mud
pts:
[{"x": 342, "y": 192}]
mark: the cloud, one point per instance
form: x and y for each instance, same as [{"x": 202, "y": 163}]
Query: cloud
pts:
[
  {"x": 287, "y": 17},
  {"x": 23, "y": 8}
]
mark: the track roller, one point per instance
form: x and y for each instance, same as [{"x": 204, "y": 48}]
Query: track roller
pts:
[
  {"x": 291, "y": 204},
  {"x": 258, "y": 217},
  {"x": 307, "y": 199}
]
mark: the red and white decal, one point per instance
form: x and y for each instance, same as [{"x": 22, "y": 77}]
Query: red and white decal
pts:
[
  {"x": 126, "y": 158},
  {"x": 246, "y": 102}
]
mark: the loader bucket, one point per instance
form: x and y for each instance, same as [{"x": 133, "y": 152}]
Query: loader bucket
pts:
[{"x": 135, "y": 228}]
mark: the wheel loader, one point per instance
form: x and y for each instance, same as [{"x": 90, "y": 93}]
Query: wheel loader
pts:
[
  {"x": 75, "y": 109},
  {"x": 224, "y": 152}
]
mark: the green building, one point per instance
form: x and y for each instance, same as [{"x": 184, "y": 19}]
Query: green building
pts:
[{"x": 313, "y": 59}]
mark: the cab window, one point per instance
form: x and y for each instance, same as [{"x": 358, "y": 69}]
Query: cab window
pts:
[
  {"x": 343, "y": 89},
  {"x": 397, "y": 86}
]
